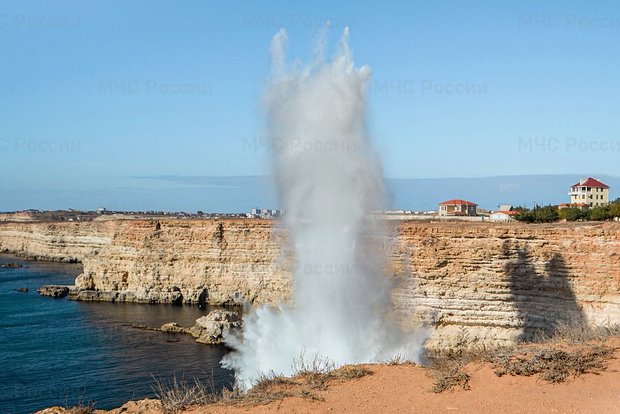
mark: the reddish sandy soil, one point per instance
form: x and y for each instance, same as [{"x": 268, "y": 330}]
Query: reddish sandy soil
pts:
[
  {"x": 404, "y": 389},
  {"x": 407, "y": 389}
]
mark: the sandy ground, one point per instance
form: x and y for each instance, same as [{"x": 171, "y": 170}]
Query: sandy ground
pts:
[{"x": 407, "y": 389}]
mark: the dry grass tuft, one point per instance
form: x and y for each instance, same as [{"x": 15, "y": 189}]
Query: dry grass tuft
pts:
[
  {"x": 579, "y": 332},
  {"x": 315, "y": 373},
  {"x": 310, "y": 376},
  {"x": 449, "y": 373},
  {"x": 572, "y": 350},
  {"x": 266, "y": 389},
  {"x": 553, "y": 364},
  {"x": 177, "y": 395},
  {"x": 82, "y": 408},
  {"x": 398, "y": 360},
  {"x": 448, "y": 366},
  {"x": 350, "y": 372}
]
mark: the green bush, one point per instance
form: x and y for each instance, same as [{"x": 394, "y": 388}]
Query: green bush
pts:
[
  {"x": 526, "y": 216},
  {"x": 546, "y": 214},
  {"x": 572, "y": 214},
  {"x": 550, "y": 214},
  {"x": 540, "y": 214},
  {"x": 614, "y": 208},
  {"x": 599, "y": 213}
]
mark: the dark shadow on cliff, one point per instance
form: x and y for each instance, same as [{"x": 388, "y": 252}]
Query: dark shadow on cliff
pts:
[{"x": 543, "y": 300}]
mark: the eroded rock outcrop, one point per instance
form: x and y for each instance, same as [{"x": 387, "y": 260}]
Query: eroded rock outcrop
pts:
[
  {"x": 209, "y": 261},
  {"x": 146, "y": 406},
  {"x": 500, "y": 283},
  {"x": 11, "y": 265},
  {"x": 54, "y": 291},
  {"x": 208, "y": 329},
  {"x": 493, "y": 282},
  {"x": 61, "y": 242}
]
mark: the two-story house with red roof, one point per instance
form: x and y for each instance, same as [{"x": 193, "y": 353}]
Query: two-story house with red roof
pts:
[
  {"x": 590, "y": 192},
  {"x": 458, "y": 208}
]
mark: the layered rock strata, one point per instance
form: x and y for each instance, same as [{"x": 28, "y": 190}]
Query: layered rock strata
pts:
[{"x": 484, "y": 281}]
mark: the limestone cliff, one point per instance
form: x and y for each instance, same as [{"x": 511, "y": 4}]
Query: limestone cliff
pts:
[
  {"x": 505, "y": 281},
  {"x": 215, "y": 261},
  {"x": 491, "y": 282},
  {"x": 59, "y": 241}
]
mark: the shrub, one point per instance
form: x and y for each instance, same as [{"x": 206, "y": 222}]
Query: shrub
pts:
[
  {"x": 599, "y": 213},
  {"x": 614, "y": 208},
  {"x": 540, "y": 214},
  {"x": 546, "y": 214},
  {"x": 553, "y": 364},
  {"x": 526, "y": 216},
  {"x": 81, "y": 408},
  {"x": 572, "y": 214},
  {"x": 449, "y": 374},
  {"x": 177, "y": 395}
]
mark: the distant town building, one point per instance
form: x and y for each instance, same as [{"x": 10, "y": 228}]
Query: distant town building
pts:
[
  {"x": 503, "y": 216},
  {"x": 589, "y": 191},
  {"x": 264, "y": 213},
  {"x": 457, "y": 208}
]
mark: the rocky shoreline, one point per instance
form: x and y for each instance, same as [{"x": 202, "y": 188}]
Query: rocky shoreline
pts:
[
  {"x": 209, "y": 329},
  {"x": 501, "y": 282},
  {"x": 55, "y": 291},
  {"x": 11, "y": 265}
]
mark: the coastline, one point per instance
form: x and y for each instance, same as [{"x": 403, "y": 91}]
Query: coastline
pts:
[
  {"x": 390, "y": 387},
  {"x": 500, "y": 281},
  {"x": 57, "y": 351},
  {"x": 454, "y": 266}
]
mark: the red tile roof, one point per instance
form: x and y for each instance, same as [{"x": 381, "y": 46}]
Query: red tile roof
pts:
[
  {"x": 458, "y": 202},
  {"x": 590, "y": 182}
]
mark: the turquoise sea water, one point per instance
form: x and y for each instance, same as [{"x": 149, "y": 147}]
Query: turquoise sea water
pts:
[{"x": 61, "y": 352}]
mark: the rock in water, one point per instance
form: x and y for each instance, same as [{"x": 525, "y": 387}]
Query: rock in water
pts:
[
  {"x": 207, "y": 329},
  {"x": 11, "y": 265},
  {"x": 54, "y": 291},
  {"x": 210, "y": 329},
  {"x": 22, "y": 289},
  {"x": 173, "y": 327}
]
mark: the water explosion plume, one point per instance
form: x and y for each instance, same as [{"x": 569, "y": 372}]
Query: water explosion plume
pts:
[{"x": 330, "y": 181}]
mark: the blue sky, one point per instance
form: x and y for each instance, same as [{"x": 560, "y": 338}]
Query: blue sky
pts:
[{"x": 97, "y": 95}]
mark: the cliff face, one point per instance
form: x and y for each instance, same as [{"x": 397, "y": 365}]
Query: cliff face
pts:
[
  {"x": 490, "y": 282},
  {"x": 219, "y": 262},
  {"x": 504, "y": 282},
  {"x": 61, "y": 242}
]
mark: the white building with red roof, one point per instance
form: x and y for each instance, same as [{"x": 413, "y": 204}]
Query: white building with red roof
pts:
[
  {"x": 458, "y": 208},
  {"x": 590, "y": 192}
]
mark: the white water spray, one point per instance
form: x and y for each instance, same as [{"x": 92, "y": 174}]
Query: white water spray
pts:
[{"x": 330, "y": 182}]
